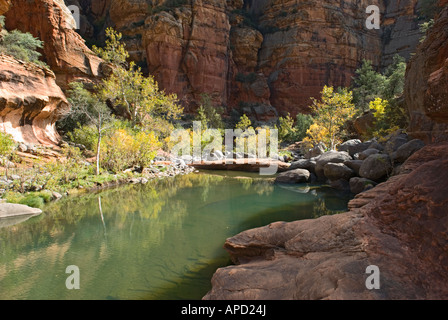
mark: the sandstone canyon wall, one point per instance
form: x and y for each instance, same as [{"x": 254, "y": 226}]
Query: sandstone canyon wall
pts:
[{"x": 265, "y": 57}]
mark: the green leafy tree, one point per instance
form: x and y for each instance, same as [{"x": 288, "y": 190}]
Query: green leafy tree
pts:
[
  {"x": 94, "y": 110},
  {"x": 7, "y": 144},
  {"x": 368, "y": 84},
  {"x": 244, "y": 123},
  {"x": 332, "y": 112},
  {"x": 141, "y": 97},
  {"x": 209, "y": 115},
  {"x": 22, "y": 46},
  {"x": 303, "y": 123}
]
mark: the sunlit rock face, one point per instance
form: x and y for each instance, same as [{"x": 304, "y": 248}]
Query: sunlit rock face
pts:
[
  {"x": 30, "y": 102},
  {"x": 64, "y": 49}
]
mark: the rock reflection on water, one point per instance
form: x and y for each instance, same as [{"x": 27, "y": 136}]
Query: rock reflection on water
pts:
[{"x": 162, "y": 240}]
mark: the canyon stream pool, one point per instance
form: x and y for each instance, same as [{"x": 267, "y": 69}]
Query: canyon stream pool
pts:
[{"x": 162, "y": 240}]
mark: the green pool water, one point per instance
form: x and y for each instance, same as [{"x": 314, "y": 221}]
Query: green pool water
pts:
[{"x": 162, "y": 240}]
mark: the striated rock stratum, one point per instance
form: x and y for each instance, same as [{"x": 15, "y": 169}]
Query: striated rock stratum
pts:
[{"x": 30, "y": 102}]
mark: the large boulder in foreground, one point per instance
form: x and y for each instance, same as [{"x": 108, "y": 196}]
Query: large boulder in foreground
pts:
[{"x": 400, "y": 226}]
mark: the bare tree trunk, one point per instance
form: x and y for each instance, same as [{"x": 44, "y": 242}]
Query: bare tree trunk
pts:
[{"x": 98, "y": 153}]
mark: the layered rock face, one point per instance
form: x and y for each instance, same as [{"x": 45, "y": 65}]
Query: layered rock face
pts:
[
  {"x": 64, "y": 49},
  {"x": 309, "y": 44},
  {"x": 30, "y": 102},
  {"x": 426, "y": 88},
  {"x": 400, "y": 226},
  {"x": 400, "y": 29},
  {"x": 264, "y": 57}
]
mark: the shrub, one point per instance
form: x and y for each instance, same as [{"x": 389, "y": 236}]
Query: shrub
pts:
[
  {"x": 86, "y": 135},
  {"x": 124, "y": 149},
  {"x": 6, "y": 144},
  {"x": 33, "y": 201},
  {"x": 244, "y": 123},
  {"x": 286, "y": 131},
  {"x": 21, "y": 45},
  {"x": 303, "y": 123}
]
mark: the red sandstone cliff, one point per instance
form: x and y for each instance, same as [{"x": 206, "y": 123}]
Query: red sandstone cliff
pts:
[
  {"x": 64, "y": 49},
  {"x": 255, "y": 55}
]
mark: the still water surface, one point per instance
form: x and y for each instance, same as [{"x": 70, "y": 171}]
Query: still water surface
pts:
[{"x": 162, "y": 240}]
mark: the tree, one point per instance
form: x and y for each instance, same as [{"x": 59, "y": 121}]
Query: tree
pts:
[
  {"x": 332, "y": 112},
  {"x": 244, "y": 123},
  {"x": 22, "y": 46},
  {"x": 128, "y": 87},
  {"x": 95, "y": 111},
  {"x": 286, "y": 130},
  {"x": 368, "y": 84},
  {"x": 209, "y": 115},
  {"x": 303, "y": 123},
  {"x": 7, "y": 144}
]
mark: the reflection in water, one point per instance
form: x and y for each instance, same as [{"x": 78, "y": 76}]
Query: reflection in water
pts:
[{"x": 162, "y": 240}]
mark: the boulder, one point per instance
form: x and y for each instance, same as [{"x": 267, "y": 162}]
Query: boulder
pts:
[
  {"x": 337, "y": 171},
  {"x": 340, "y": 184},
  {"x": 355, "y": 165},
  {"x": 316, "y": 151},
  {"x": 307, "y": 164},
  {"x": 358, "y": 185},
  {"x": 376, "y": 167},
  {"x": 406, "y": 150},
  {"x": 376, "y": 145},
  {"x": 366, "y": 153},
  {"x": 394, "y": 141},
  {"x": 293, "y": 176},
  {"x": 30, "y": 102},
  {"x": 12, "y": 210},
  {"x": 353, "y": 146},
  {"x": 327, "y": 157}
]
